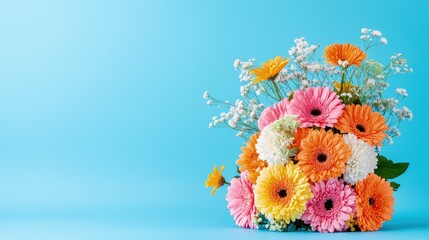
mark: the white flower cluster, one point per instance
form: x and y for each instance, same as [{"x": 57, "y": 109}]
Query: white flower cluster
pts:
[
  {"x": 273, "y": 143},
  {"x": 372, "y": 37},
  {"x": 391, "y": 133},
  {"x": 244, "y": 67},
  {"x": 242, "y": 116},
  {"x": 367, "y": 85},
  {"x": 403, "y": 113},
  {"x": 402, "y": 92},
  {"x": 398, "y": 64},
  {"x": 246, "y": 78},
  {"x": 343, "y": 63},
  {"x": 303, "y": 71},
  {"x": 384, "y": 104},
  {"x": 302, "y": 50},
  {"x": 206, "y": 95},
  {"x": 272, "y": 224},
  {"x": 371, "y": 80},
  {"x": 394, "y": 115}
]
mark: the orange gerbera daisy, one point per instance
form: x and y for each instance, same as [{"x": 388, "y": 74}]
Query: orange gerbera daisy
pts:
[
  {"x": 299, "y": 135},
  {"x": 249, "y": 160},
  {"x": 337, "y": 53},
  {"x": 364, "y": 123},
  {"x": 215, "y": 179},
  {"x": 323, "y": 155},
  {"x": 270, "y": 69},
  {"x": 374, "y": 202}
]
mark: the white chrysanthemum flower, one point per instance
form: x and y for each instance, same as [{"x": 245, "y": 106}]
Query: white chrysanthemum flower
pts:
[
  {"x": 363, "y": 160},
  {"x": 273, "y": 143}
]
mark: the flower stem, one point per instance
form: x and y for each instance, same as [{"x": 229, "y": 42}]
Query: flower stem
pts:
[
  {"x": 277, "y": 90},
  {"x": 343, "y": 76}
]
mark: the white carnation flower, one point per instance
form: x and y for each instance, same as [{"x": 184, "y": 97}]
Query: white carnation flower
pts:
[
  {"x": 362, "y": 162},
  {"x": 273, "y": 143}
]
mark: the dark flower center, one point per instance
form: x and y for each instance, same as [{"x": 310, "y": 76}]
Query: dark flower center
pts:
[
  {"x": 322, "y": 157},
  {"x": 282, "y": 193},
  {"x": 315, "y": 112},
  {"x": 221, "y": 181},
  {"x": 371, "y": 201},
  {"x": 360, "y": 127},
  {"x": 329, "y": 204}
]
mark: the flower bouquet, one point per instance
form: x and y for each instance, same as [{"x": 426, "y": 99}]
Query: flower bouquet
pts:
[{"x": 314, "y": 131}]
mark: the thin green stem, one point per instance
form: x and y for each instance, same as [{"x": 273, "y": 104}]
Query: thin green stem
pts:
[
  {"x": 343, "y": 76},
  {"x": 277, "y": 90}
]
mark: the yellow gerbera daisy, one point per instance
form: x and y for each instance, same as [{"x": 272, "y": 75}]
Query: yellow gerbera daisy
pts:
[
  {"x": 348, "y": 87},
  {"x": 215, "y": 179},
  {"x": 270, "y": 69},
  {"x": 352, "y": 223},
  {"x": 282, "y": 191}
]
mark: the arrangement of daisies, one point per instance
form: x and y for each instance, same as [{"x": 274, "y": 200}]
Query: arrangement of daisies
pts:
[{"x": 314, "y": 130}]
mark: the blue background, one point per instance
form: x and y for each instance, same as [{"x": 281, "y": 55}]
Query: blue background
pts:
[{"x": 104, "y": 132}]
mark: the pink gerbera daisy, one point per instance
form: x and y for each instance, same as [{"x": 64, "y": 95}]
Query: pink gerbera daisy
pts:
[
  {"x": 271, "y": 114},
  {"x": 241, "y": 201},
  {"x": 331, "y": 206},
  {"x": 318, "y": 107}
]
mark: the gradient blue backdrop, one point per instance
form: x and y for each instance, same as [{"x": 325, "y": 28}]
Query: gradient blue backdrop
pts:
[{"x": 103, "y": 131}]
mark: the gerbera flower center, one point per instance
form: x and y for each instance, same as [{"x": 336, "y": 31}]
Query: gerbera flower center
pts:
[
  {"x": 322, "y": 157},
  {"x": 221, "y": 181},
  {"x": 316, "y": 112},
  {"x": 282, "y": 193},
  {"x": 360, "y": 127},
  {"x": 329, "y": 204},
  {"x": 273, "y": 77},
  {"x": 371, "y": 201}
]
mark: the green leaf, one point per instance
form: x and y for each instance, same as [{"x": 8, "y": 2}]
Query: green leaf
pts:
[
  {"x": 383, "y": 160},
  {"x": 389, "y": 170},
  {"x": 395, "y": 185}
]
